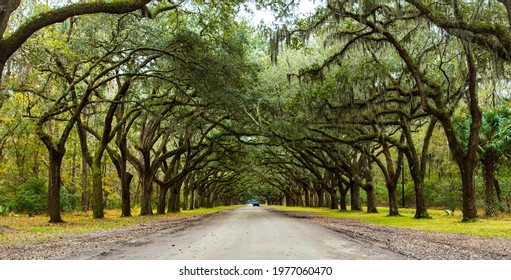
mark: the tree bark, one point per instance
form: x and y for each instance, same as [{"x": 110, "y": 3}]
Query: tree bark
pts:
[
  {"x": 466, "y": 159},
  {"x": 54, "y": 185},
  {"x": 321, "y": 200},
  {"x": 488, "y": 161},
  {"x": 192, "y": 199},
  {"x": 126, "y": 194},
  {"x": 147, "y": 190},
  {"x": 392, "y": 192},
  {"x": 344, "y": 207},
  {"x": 371, "y": 198},
  {"x": 306, "y": 195},
  {"x": 186, "y": 194},
  {"x": 85, "y": 185},
  {"x": 421, "y": 211},
  {"x": 343, "y": 191},
  {"x": 469, "y": 195},
  {"x": 334, "y": 203},
  {"x": 391, "y": 174},
  {"x": 162, "y": 199},
  {"x": 97, "y": 191},
  {"x": 175, "y": 199},
  {"x": 356, "y": 205}
]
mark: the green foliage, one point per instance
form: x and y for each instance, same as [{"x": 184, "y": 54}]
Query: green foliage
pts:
[
  {"x": 204, "y": 66},
  {"x": 31, "y": 197},
  {"x": 69, "y": 201},
  {"x": 495, "y": 133},
  {"x": 6, "y": 200},
  {"x": 444, "y": 194}
]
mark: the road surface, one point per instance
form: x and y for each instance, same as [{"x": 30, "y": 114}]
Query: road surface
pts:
[{"x": 249, "y": 233}]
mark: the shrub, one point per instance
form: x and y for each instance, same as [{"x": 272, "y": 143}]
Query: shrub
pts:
[
  {"x": 31, "y": 197},
  {"x": 68, "y": 201}
]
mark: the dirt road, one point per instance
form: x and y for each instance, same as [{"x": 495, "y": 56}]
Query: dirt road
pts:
[
  {"x": 261, "y": 233},
  {"x": 249, "y": 233}
]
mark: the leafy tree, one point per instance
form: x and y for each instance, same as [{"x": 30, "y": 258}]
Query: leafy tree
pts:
[
  {"x": 12, "y": 40},
  {"x": 435, "y": 91},
  {"x": 494, "y": 143}
]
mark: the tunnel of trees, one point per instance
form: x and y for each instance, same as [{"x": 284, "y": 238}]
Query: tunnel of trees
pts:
[{"x": 167, "y": 105}]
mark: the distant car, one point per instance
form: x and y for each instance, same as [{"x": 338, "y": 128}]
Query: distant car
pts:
[{"x": 255, "y": 204}]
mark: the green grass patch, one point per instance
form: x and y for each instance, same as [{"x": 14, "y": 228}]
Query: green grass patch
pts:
[
  {"x": 440, "y": 222},
  {"x": 21, "y": 229}
]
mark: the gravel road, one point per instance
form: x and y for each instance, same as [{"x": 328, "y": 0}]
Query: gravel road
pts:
[{"x": 250, "y": 232}]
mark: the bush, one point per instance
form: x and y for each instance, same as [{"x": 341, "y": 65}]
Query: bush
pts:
[
  {"x": 445, "y": 194},
  {"x": 31, "y": 197},
  {"x": 68, "y": 201},
  {"x": 6, "y": 199}
]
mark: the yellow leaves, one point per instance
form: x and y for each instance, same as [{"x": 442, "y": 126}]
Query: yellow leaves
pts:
[
  {"x": 19, "y": 98},
  {"x": 5, "y": 119}
]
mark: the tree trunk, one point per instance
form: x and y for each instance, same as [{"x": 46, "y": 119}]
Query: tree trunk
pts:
[
  {"x": 97, "y": 191},
  {"x": 321, "y": 201},
  {"x": 499, "y": 195},
  {"x": 126, "y": 193},
  {"x": 198, "y": 199},
  {"x": 392, "y": 192},
  {"x": 192, "y": 199},
  {"x": 202, "y": 199},
  {"x": 125, "y": 176},
  {"x": 469, "y": 194},
  {"x": 288, "y": 199},
  {"x": 85, "y": 184},
  {"x": 488, "y": 161},
  {"x": 175, "y": 199},
  {"x": 162, "y": 199},
  {"x": 209, "y": 200},
  {"x": 54, "y": 186},
  {"x": 342, "y": 191},
  {"x": 326, "y": 199},
  {"x": 371, "y": 198},
  {"x": 186, "y": 193},
  {"x": 334, "y": 203},
  {"x": 421, "y": 212},
  {"x": 298, "y": 199},
  {"x": 313, "y": 198},
  {"x": 307, "y": 197},
  {"x": 466, "y": 158},
  {"x": 343, "y": 201},
  {"x": 147, "y": 190},
  {"x": 356, "y": 205}
]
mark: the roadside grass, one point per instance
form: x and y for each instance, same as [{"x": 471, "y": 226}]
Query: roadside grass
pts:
[
  {"x": 441, "y": 222},
  {"x": 21, "y": 229}
]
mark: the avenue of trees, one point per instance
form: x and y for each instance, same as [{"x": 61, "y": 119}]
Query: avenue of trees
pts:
[{"x": 169, "y": 105}]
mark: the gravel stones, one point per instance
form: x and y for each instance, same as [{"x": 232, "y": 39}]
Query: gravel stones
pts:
[{"x": 415, "y": 244}]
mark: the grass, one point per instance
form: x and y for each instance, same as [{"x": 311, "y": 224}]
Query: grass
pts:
[
  {"x": 21, "y": 229},
  {"x": 440, "y": 222}
]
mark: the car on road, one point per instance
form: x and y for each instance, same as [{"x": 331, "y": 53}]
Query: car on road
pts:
[{"x": 255, "y": 203}]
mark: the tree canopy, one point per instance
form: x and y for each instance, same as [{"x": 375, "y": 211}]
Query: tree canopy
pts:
[{"x": 170, "y": 105}]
